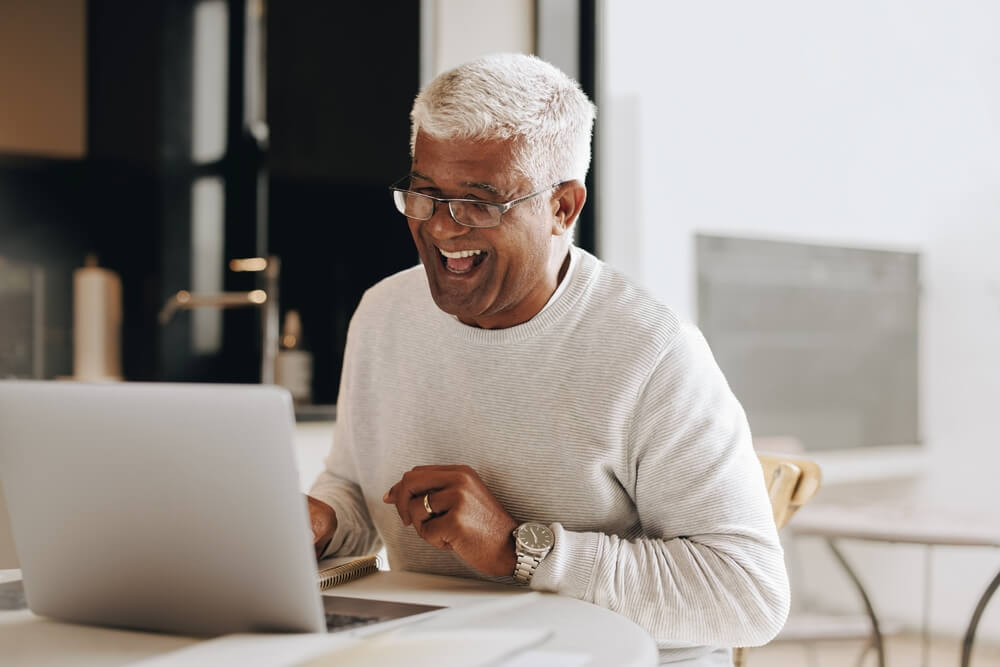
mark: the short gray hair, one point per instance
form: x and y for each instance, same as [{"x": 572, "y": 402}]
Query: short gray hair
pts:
[{"x": 515, "y": 97}]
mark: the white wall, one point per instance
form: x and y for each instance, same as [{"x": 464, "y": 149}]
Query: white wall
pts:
[
  {"x": 457, "y": 31},
  {"x": 869, "y": 123}
]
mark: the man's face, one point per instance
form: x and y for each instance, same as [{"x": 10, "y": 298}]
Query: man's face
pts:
[{"x": 514, "y": 274}]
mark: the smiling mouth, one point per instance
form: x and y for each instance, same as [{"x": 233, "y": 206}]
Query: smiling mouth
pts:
[{"x": 461, "y": 261}]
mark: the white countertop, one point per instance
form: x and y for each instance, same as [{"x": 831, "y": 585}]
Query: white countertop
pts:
[{"x": 312, "y": 444}]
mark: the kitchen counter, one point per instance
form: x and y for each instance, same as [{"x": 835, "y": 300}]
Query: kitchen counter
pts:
[
  {"x": 312, "y": 443},
  {"x": 315, "y": 413}
]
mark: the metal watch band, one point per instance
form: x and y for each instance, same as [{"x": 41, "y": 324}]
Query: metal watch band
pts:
[{"x": 525, "y": 568}]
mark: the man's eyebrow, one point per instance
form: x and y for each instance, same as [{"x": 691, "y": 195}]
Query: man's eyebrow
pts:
[{"x": 492, "y": 189}]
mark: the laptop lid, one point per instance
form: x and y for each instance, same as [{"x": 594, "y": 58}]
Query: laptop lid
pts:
[{"x": 169, "y": 507}]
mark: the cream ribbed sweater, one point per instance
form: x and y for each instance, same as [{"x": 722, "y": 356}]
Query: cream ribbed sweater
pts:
[{"x": 604, "y": 416}]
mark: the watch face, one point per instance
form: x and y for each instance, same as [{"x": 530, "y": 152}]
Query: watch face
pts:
[{"x": 535, "y": 536}]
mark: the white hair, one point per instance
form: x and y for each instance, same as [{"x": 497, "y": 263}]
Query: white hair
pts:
[{"x": 515, "y": 97}]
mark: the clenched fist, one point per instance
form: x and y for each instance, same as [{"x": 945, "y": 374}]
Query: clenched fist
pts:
[
  {"x": 466, "y": 518},
  {"x": 323, "y": 520}
]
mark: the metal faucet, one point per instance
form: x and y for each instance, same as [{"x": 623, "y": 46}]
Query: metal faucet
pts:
[{"x": 266, "y": 298}]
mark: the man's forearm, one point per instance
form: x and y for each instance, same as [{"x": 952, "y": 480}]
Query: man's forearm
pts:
[
  {"x": 355, "y": 533},
  {"x": 718, "y": 590}
]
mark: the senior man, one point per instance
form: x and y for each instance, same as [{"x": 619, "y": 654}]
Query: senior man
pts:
[{"x": 516, "y": 410}]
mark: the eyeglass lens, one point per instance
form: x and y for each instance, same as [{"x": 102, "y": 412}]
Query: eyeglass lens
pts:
[{"x": 420, "y": 207}]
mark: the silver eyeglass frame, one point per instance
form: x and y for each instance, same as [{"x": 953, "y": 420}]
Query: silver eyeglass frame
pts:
[{"x": 500, "y": 207}]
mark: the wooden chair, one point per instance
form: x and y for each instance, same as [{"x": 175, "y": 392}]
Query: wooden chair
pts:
[{"x": 791, "y": 482}]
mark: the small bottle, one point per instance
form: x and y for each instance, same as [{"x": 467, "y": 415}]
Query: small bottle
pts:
[
  {"x": 294, "y": 366},
  {"x": 97, "y": 323}
]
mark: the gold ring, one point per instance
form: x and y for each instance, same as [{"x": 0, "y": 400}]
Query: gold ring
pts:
[{"x": 427, "y": 504}]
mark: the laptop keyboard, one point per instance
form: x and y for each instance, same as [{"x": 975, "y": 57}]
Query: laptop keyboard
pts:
[
  {"x": 347, "y": 613},
  {"x": 338, "y": 622}
]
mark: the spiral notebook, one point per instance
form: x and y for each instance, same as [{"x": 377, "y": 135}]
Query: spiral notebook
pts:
[{"x": 335, "y": 571}]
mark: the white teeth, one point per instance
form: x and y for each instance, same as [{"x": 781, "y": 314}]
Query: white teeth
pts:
[{"x": 460, "y": 254}]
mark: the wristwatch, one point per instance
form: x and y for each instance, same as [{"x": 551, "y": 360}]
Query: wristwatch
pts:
[{"x": 532, "y": 543}]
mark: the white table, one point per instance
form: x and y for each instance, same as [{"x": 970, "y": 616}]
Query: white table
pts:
[
  {"x": 577, "y": 627},
  {"x": 908, "y": 525}
]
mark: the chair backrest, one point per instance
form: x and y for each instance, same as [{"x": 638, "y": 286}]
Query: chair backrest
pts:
[{"x": 791, "y": 482}]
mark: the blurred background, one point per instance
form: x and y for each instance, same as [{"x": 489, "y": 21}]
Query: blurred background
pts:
[{"x": 816, "y": 184}]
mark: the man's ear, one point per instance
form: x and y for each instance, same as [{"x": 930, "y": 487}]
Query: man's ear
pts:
[{"x": 567, "y": 202}]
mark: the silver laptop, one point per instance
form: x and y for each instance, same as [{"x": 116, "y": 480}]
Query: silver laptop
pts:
[{"x": 169, "y": 507}]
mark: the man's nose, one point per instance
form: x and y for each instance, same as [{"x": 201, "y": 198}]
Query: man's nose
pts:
[{"x": 442, "y": 226}]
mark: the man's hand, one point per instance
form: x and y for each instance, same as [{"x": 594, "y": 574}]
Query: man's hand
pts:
[
  {"x": 467, "y": 518},
  {"x": 324, "y": 524}
]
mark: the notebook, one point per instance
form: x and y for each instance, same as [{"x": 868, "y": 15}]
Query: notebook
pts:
[{"x": 335, "y": 571}]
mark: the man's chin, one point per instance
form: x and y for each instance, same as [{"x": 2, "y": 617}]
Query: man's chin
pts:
[
  {"x": 455, "y": 305},
  {"x": 451, "y": 306}
]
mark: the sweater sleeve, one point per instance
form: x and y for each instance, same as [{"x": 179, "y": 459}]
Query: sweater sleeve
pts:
[
  {"x": 709, "y": 569},
  {"x": 337, "y": 485}
]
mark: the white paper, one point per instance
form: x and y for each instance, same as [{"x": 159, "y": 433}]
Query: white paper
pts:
[
  {"x": 542, "y": 658},
  {"x": 292, "y": 649},
  {"x": 458, "y": 648}
]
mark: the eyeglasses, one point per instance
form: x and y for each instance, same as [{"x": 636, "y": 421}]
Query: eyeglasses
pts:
[{"x": 466, "y": 212}]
